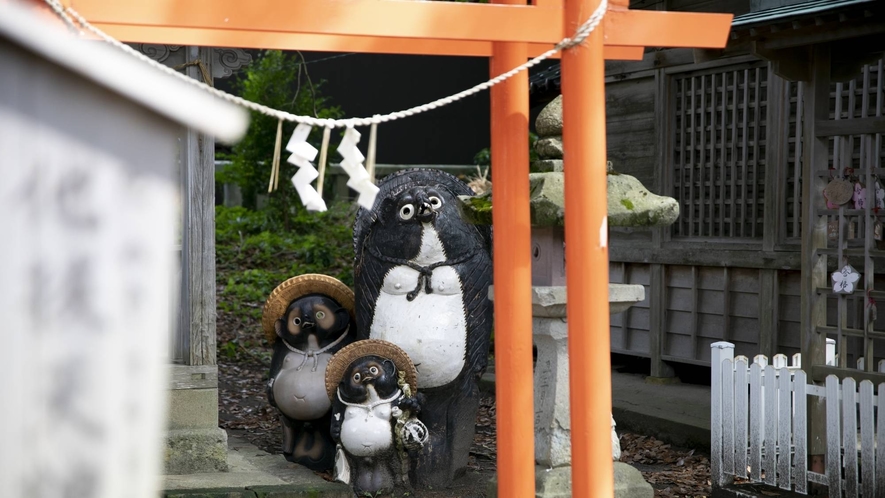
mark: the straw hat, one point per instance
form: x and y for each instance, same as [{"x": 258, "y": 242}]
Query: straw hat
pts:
[
  {"x": 339, "y": 363},
  {"x": 302, "y": 285}
]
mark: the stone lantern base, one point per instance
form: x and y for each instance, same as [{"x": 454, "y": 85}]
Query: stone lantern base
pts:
[
  {"x": 552, "y": 424},
  {"x": 557, "y": 483}
]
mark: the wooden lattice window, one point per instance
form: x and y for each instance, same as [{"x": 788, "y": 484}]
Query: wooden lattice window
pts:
[
  {"x": 854, "y": 231},
  {"x": 791, "y": 222},
  {"x": 718, "y": 144}
]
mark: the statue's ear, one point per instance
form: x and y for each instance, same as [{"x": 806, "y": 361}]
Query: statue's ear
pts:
[
  {"x": 342, "y": 316},
  {"x": 278, "y": 327},
  {"x": 389, "y": 367}
]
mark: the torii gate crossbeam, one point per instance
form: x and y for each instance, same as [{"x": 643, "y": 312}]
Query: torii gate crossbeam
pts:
[{"x": 510, "y": 32}]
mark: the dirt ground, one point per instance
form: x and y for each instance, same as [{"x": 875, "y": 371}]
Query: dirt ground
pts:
[{"x": 243, "y": 409}]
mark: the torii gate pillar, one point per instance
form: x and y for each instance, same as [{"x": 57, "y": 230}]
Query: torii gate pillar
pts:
[{"x": 586, "y": 254}]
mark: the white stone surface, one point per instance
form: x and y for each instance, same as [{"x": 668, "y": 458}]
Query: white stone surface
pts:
[
  {"x": 552, "y": 424},
  {"x": 550, "y": 301},
  {"x": 550, "y": 335}
]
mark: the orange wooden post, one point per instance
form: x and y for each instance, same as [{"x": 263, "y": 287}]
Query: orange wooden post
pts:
[
  {"x": 512, "y": 266},
  {"x": 586, "y": 254}
]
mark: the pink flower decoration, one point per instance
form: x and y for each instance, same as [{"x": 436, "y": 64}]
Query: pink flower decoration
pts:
[{"x": 860, "y": 196}]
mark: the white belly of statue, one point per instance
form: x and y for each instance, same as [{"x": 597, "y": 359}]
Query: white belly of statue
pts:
[
  {"x": 367, "y": 434},
  {"x": 301, "y": 394},
  {"x": 431, "y": 329}
]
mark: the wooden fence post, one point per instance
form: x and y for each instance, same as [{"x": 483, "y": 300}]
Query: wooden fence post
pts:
[{"x": 720, "y": 351}]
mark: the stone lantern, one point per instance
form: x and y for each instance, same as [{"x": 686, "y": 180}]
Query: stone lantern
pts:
[{"x": 630, "y": 204}]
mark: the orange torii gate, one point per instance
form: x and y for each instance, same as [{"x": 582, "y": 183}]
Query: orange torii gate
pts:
[{"x": 509, "y": 31}]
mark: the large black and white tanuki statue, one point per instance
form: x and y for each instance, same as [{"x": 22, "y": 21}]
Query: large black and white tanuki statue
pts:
[
  {"x": 422, "y": 276},
  {"x": 373, "y": 386},
  {"x": 307, "y": 318}
]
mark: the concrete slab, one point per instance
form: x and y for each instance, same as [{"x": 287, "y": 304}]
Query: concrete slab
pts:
[
  {"x": 677, "y": 413},
  {"x": 253, "y": 472}
]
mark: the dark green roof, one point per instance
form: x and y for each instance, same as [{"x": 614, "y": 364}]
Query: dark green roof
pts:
[{"x": 788, "y": 12}]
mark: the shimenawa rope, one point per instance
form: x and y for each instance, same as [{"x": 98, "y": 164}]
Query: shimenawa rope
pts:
[{"x": 580, "y": 35}]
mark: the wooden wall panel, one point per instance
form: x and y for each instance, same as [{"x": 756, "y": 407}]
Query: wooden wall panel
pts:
[
  {"x": 630, "y": 329},
  {"x": 744, "y": 305},
  {"x": 630, "y": 121}
]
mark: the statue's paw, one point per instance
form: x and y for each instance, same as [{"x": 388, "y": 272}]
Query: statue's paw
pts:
[
  {"x": 335, "y": 428},
  {"x": 412, "y": 404}
]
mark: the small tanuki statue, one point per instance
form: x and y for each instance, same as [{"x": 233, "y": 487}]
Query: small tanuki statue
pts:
[
  {"x": 307, "y": 318},
  {"x": 421, "y": 278},
  {"x": 373, "y": 387}
]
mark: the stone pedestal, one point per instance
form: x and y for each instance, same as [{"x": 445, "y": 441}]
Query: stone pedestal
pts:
[
  {"x": 557, "y": 483},
  {"x": 194, "y": 442},
  {"x": 552, "y": 423},
  {"x": 550, "y": 335}
]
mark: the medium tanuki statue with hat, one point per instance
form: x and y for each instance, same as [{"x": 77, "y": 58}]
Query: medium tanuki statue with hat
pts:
[
  {"x": 373, "y": 385},
  {"x": 307, "y": 319}
]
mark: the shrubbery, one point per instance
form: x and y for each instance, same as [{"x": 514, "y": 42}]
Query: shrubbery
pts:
[
  {"x": 254, "y": 253},
  {"x": 264, "y": 243}
]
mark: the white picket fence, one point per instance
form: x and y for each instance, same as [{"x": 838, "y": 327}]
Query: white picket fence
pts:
[{"x": 759, "y": 432}]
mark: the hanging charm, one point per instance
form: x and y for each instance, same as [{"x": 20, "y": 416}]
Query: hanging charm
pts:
[
  {"x": 302, "y": 155},
  {"x": 353, "y": 166},
  {"x": 838, "y": 192},
  {"x": 880, "y": 195},
  {"x": 833, "y": 230},
  {"x": 845, "y": 279},
  {"x": 860, "y": 196}
]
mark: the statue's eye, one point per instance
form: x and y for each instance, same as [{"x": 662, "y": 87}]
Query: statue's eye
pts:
[
  {"x": 356, "y": 377},
  {"x": 321, "y": 315},
  {"x": 435, "y": 202},
  {"x": 406, "y": 212},
  {"x": 373, "y": 370},
  {"x": 296, "y": 320}
]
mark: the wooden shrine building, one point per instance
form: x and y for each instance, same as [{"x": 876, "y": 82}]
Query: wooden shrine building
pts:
[{"x": 746, "y": 139}]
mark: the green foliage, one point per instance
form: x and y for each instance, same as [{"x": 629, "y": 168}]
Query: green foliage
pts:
[
  {"x": 278, "y": 80},
  {"x": 484, "y": 156},
  {"x": 255, "y": 253}
]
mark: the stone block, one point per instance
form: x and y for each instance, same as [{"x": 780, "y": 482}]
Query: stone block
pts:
[
  {"x": 546, "y": 166},
  {"x": 552, "y": 424},
  {"x": 324, "y": 490},
  {"x": 549, "y": 121},
  {"x": 547, "y": 199},
  {"x": 476, "y": 209},
  {"x": 549, "y": 147},
  {"x": 548, "y": 256},
  {"x": 557, "y": 483},
  {"x": 192, "y": 451},
  {"x": 630, "y": 484},
  {"x": 630, "y": 204},
  {"x": 210, "y": 493},
  {"x": 550, "y": 301},
  {"x": 553, "y": 483},
  {"x": 193, "y": 409}
]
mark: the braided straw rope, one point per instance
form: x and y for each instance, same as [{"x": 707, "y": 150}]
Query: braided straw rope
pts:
[{"x": 69, "y": 15}]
